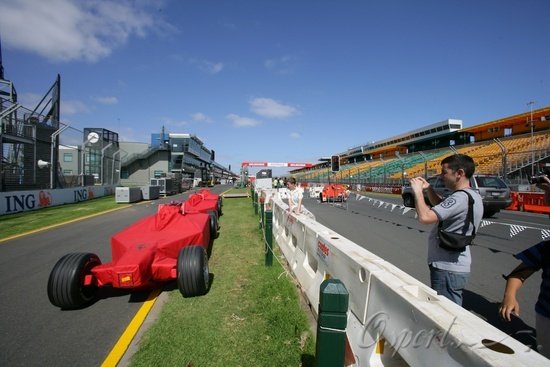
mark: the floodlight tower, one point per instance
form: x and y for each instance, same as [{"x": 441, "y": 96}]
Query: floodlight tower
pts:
[{"x": 531, "y": 125}]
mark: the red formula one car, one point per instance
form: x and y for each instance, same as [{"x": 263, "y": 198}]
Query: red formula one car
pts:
[
  {"x": 204, "y": 201},
  {"x": 172, "y": 244},
  {"x": 333, "y": 192}
]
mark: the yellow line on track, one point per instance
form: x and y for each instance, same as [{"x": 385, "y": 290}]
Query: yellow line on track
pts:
[{"x": 122, "y": 345}]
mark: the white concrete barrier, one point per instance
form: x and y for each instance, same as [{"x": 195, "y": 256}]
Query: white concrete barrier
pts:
[{"x": 393, "y": 319}]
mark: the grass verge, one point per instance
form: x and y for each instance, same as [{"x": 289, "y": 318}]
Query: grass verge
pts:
[
  {"x": 17, "y": 223},
  {"x": 250, "y": 317}
]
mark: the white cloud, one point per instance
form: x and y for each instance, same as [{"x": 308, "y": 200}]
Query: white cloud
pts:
[
  {"x": 29, "y": 100},
  {"x": 176, "y": 123},
  {"x": 239, "y": 121},
  {"x": 295, "y": 135},
  {"x": 268, "y": 107},
  {"x": 283, "y": 65},
  {"x": 73, "y": 107},
  {"x": 68, "y": 107},
  {"x": 201, "y": 117},
  {"x": 205, "y": 66},
  {"x": 211, "y": 68},
  {"x": 66, "y": 30},
  {"x": 106, "y": 100},
  {"x": 196, "y": 117},
  {"x": 230, "y": 26},
  {"x": 126, "y": 134}
]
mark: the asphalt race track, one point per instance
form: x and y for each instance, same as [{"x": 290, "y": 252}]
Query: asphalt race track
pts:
[{"x": 35, "y": 333}]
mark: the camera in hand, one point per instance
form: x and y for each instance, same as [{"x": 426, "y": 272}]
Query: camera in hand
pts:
[{"x": 540, "y": 177}]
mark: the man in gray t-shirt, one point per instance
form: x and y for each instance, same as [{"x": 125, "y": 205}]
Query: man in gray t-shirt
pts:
[{"x": 449, "y": 270}]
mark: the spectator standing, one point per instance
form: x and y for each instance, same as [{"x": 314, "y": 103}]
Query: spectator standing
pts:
[
  {"x": 533, "y": 259},
  {"x": 295, "y": 196},
  {"x": 449, "y": 270}
]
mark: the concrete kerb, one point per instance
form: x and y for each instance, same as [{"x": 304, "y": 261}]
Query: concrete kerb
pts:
[{"x": 151, "y": 318}]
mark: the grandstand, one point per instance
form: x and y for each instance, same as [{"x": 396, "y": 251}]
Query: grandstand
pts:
[{"x": 512, "y": 147}]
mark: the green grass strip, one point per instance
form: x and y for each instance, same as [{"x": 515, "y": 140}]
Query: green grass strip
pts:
[
  {"x": 18, "y": 223},
  {"x": 250, "y": 317}
]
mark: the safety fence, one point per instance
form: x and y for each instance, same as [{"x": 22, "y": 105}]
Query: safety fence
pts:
[
  {"x": 40, "y": 152},
  {"x": 393, "y": 319}
]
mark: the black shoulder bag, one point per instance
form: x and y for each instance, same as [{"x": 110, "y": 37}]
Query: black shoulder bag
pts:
[{"x": 456, "y": 241}]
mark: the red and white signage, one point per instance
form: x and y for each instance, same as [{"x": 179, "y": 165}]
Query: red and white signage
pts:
[{"x": 269, "y": 164}]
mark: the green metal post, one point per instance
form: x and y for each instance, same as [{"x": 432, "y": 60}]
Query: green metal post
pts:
[
  {"x": 331, "y": 324},
  {"x": 268, "y": 237},
  {"x": 261, "y": 214},
  {"x": 256, "y": 203}
]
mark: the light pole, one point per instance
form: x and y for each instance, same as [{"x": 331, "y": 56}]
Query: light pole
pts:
[
  {"x": 102, "y": 159},
  {"x": 402, "y": 167},
  {"x": 327, "y": 160},
  {"x": 53, "y": 156},
  {"x": 531, "y": 125},
  {"x": 384, "y": 165},
  {"x": 114, "y": 163},
  {"x": 359, "y": 174}
]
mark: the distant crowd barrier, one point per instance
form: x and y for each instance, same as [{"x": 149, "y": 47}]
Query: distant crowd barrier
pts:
[
  {"x": 529, "y": 202},
  {"x": 393, "y": 319},
  {"x": 521, "y": 200},
  {"x": 22, "y": 201}
]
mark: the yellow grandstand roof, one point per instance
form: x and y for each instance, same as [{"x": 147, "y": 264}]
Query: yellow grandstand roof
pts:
[{"x": 520, "y": 119}]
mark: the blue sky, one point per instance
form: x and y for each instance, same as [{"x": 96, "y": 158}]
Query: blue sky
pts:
[{"x": 278, "y": 81}]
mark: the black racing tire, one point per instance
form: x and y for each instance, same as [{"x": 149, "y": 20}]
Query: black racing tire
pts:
[
  {"x": 193, "y": 274},
  {"x": 488, "y": 213},
  {"x": 408, "y": 201},
  {"x": 214, "y": 227},
  {"x": 321, "y": 197},
  {"x": 214, "y": 222},
  {"x": 220, "y": 206},
  {"x": 66, "y": 287}
]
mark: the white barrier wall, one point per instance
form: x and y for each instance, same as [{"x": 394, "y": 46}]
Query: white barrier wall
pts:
[
  {"x": 393, "y": 319},
  {"x": 21, "y": 201}
]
